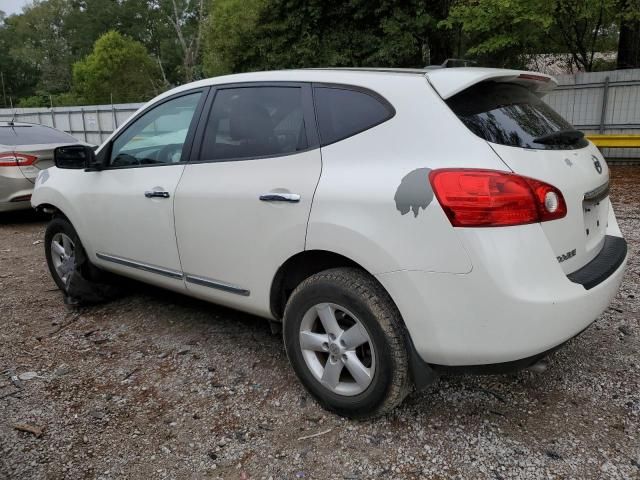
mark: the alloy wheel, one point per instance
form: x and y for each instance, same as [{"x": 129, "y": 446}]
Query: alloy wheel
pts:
[
  {"x": 63, "y": 255},
  {"x": 337, "y": 349}
]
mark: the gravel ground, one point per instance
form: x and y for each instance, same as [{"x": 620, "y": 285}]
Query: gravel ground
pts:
[{"x": 155, "y": 385}]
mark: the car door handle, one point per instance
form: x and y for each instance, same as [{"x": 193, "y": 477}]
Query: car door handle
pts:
[
  {"x": 155, "y": 194},
  {"x": 280, "y": 197}
]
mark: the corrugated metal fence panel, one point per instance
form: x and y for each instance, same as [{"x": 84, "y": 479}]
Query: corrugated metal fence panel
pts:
[
  {"x": 92, "y": 124},
  {"x": 579, "y": 98}
]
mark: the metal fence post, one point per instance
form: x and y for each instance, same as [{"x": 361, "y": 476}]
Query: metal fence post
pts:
[
  {"x": 605, "y": 98},
  {"x": 98, "y": 123},
  {"x": 53, "y": 117},
  {"x": 84, "y": 125},
  {"x": 113, "y": 113}
]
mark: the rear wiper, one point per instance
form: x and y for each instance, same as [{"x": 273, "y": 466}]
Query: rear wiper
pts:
[{"x": 561, "y": 137}]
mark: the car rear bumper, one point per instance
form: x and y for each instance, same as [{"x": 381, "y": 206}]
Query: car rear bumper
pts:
[
  {"x": 515, "y": 303},
  {"x": 15, "y": 190}
]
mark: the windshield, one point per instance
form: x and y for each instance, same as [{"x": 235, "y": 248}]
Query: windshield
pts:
[
  {"x": 32, "y": 135},
  {"x": 512, "y": 115}
]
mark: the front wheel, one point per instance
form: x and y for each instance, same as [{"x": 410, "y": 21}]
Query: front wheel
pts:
[
  {"x": 80, "y": 281},
  {"x": 344, "y": 338},
  {"x": 61, "y": 248}
]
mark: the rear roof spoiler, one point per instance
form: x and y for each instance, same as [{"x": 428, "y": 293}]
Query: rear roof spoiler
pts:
[{"x": 449, "y": 81}]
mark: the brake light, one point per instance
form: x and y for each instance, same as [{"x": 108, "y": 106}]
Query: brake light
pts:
[
  {"x": 11, "y": 159},
  {"x": 537, "y": 78},
  {"x": 490, "y": 198}
]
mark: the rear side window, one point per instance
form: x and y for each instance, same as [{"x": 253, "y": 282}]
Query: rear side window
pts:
[
  {"x": 32, "y": 135},
  {"x": 251, "y": 122},
  {"x": 343, "y": 112},
  {"x": 512, "y": 115}
]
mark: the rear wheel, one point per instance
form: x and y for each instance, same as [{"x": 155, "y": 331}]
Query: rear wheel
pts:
[{"x": 344, "y": 338}]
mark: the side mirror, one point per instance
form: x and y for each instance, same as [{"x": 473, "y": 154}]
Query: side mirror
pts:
[{"x": 74, "y": 157}]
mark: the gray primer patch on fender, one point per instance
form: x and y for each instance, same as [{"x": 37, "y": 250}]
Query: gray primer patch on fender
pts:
[{"x": 414, "y": 192}]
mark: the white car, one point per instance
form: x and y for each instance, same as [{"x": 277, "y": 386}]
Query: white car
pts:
[{"x": 398, "y": 223}]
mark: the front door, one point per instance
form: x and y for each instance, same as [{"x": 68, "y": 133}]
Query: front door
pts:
[
  {"x": 128, "y": 205},
  {"x": 243, "y": 203}
]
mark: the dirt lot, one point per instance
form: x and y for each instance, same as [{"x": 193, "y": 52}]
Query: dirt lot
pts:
[{"x": 156, "y": 385}]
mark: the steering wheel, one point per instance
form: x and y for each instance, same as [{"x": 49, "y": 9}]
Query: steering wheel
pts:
[{"x": 166, "y": 153}]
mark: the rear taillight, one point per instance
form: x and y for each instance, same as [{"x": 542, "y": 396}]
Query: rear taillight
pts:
[
  {"x": 16, "y": 159},
  {"x": 489, "y": 198}
]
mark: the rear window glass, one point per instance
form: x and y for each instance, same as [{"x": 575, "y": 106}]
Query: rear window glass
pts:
[
  {"x": 510, "y": 114},
  {"x": 342, "y": 113},
  {"x": 32, "y": 135}
]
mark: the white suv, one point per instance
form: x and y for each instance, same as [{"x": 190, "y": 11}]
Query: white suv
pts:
[{"x": 398, "y": 223}]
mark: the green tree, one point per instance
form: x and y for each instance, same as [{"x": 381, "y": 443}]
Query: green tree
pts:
[
  {"x": 501, "y": 32},
  {"x": 119, "y": 68},
  {"x": 18, "y": 77},
  {"x": 584, "y": 28},
  {"x": 506, "y": 33},
  {"x": 37, "y": 37},
  {"x": 231, "y": 37},
  {"x": 271, "y": 34},
  {"x": 186, "y": 20}
]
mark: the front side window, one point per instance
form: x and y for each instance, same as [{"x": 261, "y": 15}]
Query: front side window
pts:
[
  {"x": 344, "y": 112},
  {"x": 510, "y": 114},
  {"x": 157, "y": 137},
  {"x": 251, "y": 122}
]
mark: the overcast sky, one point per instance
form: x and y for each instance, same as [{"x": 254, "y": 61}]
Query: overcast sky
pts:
[{"x": 12, "y": 6}]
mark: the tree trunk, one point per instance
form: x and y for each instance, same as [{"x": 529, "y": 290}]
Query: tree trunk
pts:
[
  {"x": 440, "y": 47},
  {"x": 441, "y": 41},
  {"x": 629, "y": 44}
]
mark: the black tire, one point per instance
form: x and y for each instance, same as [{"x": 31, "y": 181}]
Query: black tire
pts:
[
  {"x": 59, "y": 225},
  {"x": 358, "y": 292},
  {"x": 87, "y": 284}
]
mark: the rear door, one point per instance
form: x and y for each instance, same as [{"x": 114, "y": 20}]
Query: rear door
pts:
[
  {"x": 535, "y": 141},
  {"x": 243, "y": 202}
]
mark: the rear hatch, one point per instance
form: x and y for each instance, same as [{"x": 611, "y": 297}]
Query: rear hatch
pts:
[{"x": 506, "y": 110}]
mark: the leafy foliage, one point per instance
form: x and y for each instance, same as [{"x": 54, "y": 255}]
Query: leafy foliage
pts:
[
  {"x": 230, "y": 36},
  {"x": 507, "y": 32},
  {"x": 273, "y": 34},
  {"x": 118, "y": 66},
  {"x": 187, "y": 39}
]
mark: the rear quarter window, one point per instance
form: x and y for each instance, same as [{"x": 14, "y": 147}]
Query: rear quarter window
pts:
[
  {"x": 344, "y": 112},
  {"x": 510, "y": 114},
  {"x": 33, "y": 135}
]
